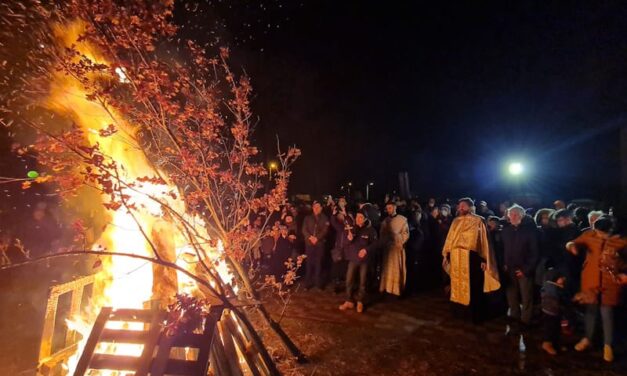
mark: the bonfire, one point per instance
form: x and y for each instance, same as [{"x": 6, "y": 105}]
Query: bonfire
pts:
[{"x": 120, "y": 104}]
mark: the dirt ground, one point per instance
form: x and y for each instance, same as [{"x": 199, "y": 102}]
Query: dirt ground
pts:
[
  {"x": 413, "y": 336},
  {"x": 418, "y": 336}
]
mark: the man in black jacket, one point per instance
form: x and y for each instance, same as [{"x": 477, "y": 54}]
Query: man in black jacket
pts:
[
  {"x": 362, "y": 245},
  {"x": 342, "y": 222},
  {"x": 520, "y": 253},
  {"x": 567, "y": 263},
  {"x": 315, "y": 229}
]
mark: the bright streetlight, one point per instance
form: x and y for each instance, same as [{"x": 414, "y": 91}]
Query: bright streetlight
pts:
[
  {"x": 273, "y": 166},
  {"x": 516, "y": 168}
]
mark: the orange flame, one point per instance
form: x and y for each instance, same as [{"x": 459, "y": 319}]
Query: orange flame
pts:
[{"x": 128, "y": 283}]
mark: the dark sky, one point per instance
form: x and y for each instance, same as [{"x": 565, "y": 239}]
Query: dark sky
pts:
[{"x": 449, "y": 93}]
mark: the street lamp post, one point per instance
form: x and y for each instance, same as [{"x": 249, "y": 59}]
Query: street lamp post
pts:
[
  {"x": 368, "y": 190},
  {"x": 350, "y": 184},
  {"x": 272, "y": 166}
]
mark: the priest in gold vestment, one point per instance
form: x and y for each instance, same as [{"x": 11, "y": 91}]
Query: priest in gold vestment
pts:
[{"x": 468, "y": 259}]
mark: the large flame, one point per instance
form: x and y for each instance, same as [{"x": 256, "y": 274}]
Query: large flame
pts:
[{"x": 128, "y": 282}]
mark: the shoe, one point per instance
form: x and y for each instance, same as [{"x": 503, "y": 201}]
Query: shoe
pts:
[
  {"x": 608, "y": 353},
  {"x": 347, "y": 305},
  {"x": 360, "y": 307},
  {"x": 548, "y": 347},
  {"x": 583, "y": 344}
]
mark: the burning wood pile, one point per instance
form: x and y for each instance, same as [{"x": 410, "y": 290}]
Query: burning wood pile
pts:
[{"x": 118, "y": 103}]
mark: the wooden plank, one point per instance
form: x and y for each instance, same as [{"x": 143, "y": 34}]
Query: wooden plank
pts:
[
  {"x": 75, "y": 310},
  {"x": 182, "y": 367},
  {"x": 242, "y": 345},
  {"x": 124, "y": 336},
  {"x": 189, "y": 340},
  {"x": 229, "y": 349},
  {"x": 219, "y": 364},
  {"x": 154, "y": 334},
  {"x": 208, "y": 334},
  {"x": 56, "y": 358},
  {"x": 163, "y": 355},
  {"x": 114, "y": 362},
  {"x": 45, "y": 349},
  {"x": 136, "y": 315},
  {"x": 72, "y": 285},
  {"x": 267, "y": 365},
  {"x": 92, "y": 341}
]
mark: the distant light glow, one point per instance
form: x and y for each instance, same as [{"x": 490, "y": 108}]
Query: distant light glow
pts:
[{"x": 516, "y": 168}]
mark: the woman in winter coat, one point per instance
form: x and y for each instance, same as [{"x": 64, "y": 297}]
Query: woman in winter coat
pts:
[{"x": 602, "y": 277}]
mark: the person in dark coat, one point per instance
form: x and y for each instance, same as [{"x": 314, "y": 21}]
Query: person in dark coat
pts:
[
  {"x": 520, "y": 251},
  {"x": 415, "y": 257},
  {"x": 497, "y": 300},
  {"x": 544, "y": 225},
  {"x": 553, "y": 302},
  {"x": 444, "y": 223},
  {"x": 495, "y": 229},
  {"x": 342, "y": 222},
  {"x": 373, "y": 213},
  {"x": 580, "y": 217},
  {"x": 483, "y": 210},
  {"x": 362, "y": 246},
  {"x": 315, "y": 230},
  {"x": 283, "y": 249},
  {"x": 568, "y": 264}
]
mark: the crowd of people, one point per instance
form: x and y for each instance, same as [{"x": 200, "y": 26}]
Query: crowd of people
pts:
[{"x": 552, "y": 267}]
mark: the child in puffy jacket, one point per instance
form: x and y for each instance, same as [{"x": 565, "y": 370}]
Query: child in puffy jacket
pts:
[{"x": 553, "y": 299}]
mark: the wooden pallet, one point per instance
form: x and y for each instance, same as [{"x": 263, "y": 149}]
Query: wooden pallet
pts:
[
  {"x": 156, "y": 354},
  {"x": 225, "y": 346},
  {"x": 49, "y": 360}
]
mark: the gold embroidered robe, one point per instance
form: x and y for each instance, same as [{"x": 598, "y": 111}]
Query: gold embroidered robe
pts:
[{"x": 467, "y": 234}]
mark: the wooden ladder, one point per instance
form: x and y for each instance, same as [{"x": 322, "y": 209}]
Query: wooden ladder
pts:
[{"x": 150, "y": 362}]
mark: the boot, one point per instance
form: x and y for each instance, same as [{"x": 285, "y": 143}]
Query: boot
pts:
[
  {"x": 608, "y": 353},
  {"x": 347, "y": 305},
  {"x": 583, "y": 344},
  {"x": 548, "y": 347},
  {"x": 360, "y": 307}
]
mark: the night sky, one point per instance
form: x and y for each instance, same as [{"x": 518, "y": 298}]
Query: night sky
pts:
[{"x": 449, "y": 93}]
